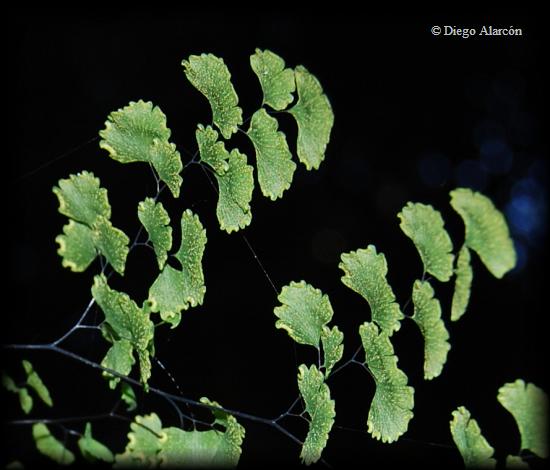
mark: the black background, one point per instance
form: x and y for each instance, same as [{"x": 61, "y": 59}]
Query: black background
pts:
[{"x": 398, "y": 93}]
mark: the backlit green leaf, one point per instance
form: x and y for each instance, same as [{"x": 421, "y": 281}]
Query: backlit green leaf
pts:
[
  {"x": 427, "y": 315},
  {"x": 365, "y": 273},
  {"x": 212, "y": 151},
  {"x": 320, "y": 409},
  {"x": 314, "y": 116},
  {"x": 529, "y": 407},
  {"x": 156, "y": 221},
  {"x": 144, "y": 443},
  {"x": 303, "y": 313},
  {"x": 276, "y": 81},
  {"x": 235, "y": 180},
  {"x": 167, "y": 295},
  {"x": 138, "y": 133},
  {"x": 144, "y": 357},
  {"x": 150, "y": 445},
  {"x": 50, "y": 446},
  {"x": 35, "y": 382},
  {"x": 391, "y": 408},
  {"x": 425, "y": 227},
  {"x": 209, "y": 74},
  {"x": 93, "y": 450},
  {"x": 119, "y": 358},
  {"x": 167, "y": 162},
  {"x": 192, "y": 449},
  {"x": 486, "y": 230},
  {"x": 333, "y": 347},
  {"x": 211, "y": 448},
  {"x": 128, "y": 321},
  {"x": 89, "y": 231},
  {"x": 176, "y": 290},
  {"x": 9, "y": 384},
  {"x": 130, "y": 131},
  {"x": 81, "y": 198},
  {"x": 474, "y": 448},
  {"x": 25, "y": 400},
  {"x": 235, "y": 188},
  {"x": 190, "y": 253},
  {"x": 128, "y": 396},
  {"x": 112, "y": 243},
  {"x": 273, "y": 158},
  {"x": 195, "y": 449},
  {"x": 463, "y": 284},
  {"x": 76, "y": 246},
  {"x": 515, "y": 461}
]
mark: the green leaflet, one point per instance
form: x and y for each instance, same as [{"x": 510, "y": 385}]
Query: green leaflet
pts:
[
  {"x": 320, "y": 409},
  {"x": 76, "y": 246},
  {"x": 82, "y": 199},
  {"x": 166, "y": 161},
  {"x": 314, "y": 116},
  {"x": 9, "y": 384},
  {"x": 209, "y": 74},
  {"x": 195, "y": 449},
  {"x": 486, "y": 230},
  {"x": 463, "y": 284},
  {"x": 175, "y": 290},
  {"x": 273, "y": 158},
  {"x": 128, "y": 396},
  {"x": 50, "y": 446},
  {"x": 425, "y": 227},
  {"x": 25, "y": 400},
  {"x": 212, "y": 150},
  {"x": 112, "y": 243},
  {"x": 119, "y": 358},
  {"x": 149, "y": 445},
  {"x": 233, "y": 435},
  {"x": 303, "y": 313},
  {"x": 333, "y": 347},
  {"x": 427, "y": 315},
  {"x": 236, "y": 187},
  {"x": 211, "y": 448},
  {"x": 138, "y": 133},
  {"x": 144, "y": 364},
  {"x": 156, "y": 221},
  {"x": 365, "y": 273},
  {"x": 473, "y": 447},
  {"x": 276, "y": 81},
  {"x": 528, "y": 404},
  {"x": 35, "y": 382},
  {"x": 128, "y": 321},
  {"x": 93, "y": 450},
  {"x": 130, "y": 131},
  {"x": 514, "y": 461},
  {"x": 235, "y": 180},
  {"x": 144, "y": 443},
  {"x": 89, "y": 230},
  {"x": 391, "y": 408}
]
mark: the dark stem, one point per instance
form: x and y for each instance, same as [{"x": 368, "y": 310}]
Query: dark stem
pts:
[
  {"x": 347, "y": 363},
  {"x": 167, "y": 396}
]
